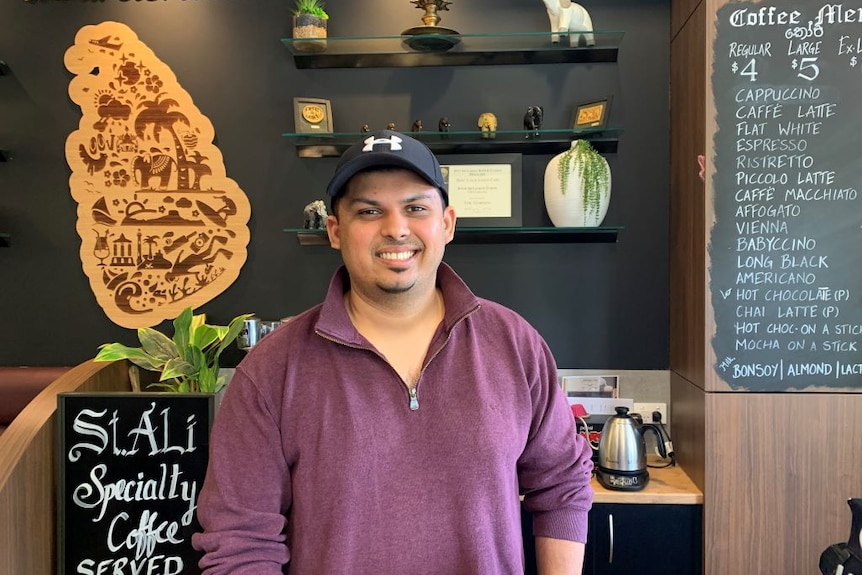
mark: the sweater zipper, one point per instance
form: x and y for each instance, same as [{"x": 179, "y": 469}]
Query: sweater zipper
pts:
[
  {"x": 412, "y": 391},
  {"x": 414, "y": 399}
]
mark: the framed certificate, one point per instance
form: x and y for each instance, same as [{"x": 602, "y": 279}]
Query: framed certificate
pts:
[
  {"x": 484, "y": 189},
  {"x": 312, "y": 116},
  {"x": 593, "y": 114}
]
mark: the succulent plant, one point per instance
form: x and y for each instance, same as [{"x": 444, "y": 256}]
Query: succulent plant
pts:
[{"x": 313, "y": 7}]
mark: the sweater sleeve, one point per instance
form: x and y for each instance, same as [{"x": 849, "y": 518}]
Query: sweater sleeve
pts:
[
  {"x": 555, "y": 468},
  {"x": 246, "y": 492}
]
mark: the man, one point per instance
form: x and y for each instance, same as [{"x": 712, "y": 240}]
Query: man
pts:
[{"x": 390, "y": 429}]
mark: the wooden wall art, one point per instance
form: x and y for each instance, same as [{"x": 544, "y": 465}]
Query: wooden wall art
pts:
[{"x": 161, "y": 225}]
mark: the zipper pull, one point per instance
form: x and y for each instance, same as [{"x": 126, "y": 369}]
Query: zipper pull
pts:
[{"x": 414, "y": 401}]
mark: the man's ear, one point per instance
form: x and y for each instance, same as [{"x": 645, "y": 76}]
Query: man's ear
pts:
[
  {"x": 332, "y": 232},
  {"x": 449, "y": 219}
]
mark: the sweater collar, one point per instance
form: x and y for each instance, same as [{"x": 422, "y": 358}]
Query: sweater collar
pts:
[{"x": 334, "y": 321}]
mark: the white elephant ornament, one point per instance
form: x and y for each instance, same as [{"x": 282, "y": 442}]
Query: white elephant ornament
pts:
[{"x": 567, "y": 16}]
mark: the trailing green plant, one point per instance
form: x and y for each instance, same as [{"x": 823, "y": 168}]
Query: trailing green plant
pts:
[
  {"x": 592, "y": 170},
  {"x": 313, "y": 7},
  {"x": 188, "y": 362}
]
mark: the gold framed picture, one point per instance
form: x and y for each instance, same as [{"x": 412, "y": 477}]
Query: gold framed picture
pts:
[
  {"x": 592, "y": 114},
  {"x": 312, "y": 116}
]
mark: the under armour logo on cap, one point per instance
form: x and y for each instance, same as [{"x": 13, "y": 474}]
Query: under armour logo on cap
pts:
[
  {"x": 391, "y": 149},
  {"x": 394, "y": 143}
]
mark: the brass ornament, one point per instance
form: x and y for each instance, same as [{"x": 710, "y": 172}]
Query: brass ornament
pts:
[{"x": 431, "y": 37}]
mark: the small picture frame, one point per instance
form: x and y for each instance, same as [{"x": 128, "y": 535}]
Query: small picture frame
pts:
[
  {"x": 312, "y": 116},
  {"x": 592, "y": 114}
]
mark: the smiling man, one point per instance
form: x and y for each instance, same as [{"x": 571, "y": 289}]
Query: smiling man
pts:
[{"x": 392, "y": 428}]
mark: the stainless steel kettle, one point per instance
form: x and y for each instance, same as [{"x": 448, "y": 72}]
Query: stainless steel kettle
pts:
[{"x": 622, "y": 452}]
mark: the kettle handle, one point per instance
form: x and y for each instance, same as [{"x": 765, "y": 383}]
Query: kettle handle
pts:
[{"x": 658, "y": 435}]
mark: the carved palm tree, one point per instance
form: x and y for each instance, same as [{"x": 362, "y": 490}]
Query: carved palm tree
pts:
[{"x": 158, "y": 114}]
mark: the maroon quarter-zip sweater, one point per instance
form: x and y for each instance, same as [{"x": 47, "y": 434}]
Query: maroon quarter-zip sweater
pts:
[{"x": 322, "y": 462}]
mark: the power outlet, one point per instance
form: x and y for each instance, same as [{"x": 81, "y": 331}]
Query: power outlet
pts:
[{"x": 646, "y": 409}]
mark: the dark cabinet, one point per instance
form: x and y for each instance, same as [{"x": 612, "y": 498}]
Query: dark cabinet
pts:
[{"x": 647, "y": 539}]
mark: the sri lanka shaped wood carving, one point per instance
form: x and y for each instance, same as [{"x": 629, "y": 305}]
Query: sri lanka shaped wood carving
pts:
[{"x": 162, "y": 227}]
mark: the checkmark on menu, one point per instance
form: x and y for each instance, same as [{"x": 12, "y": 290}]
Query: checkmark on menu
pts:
[{"x": 726, "y": 293}]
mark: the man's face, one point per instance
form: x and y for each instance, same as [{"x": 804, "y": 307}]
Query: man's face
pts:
[{"x": 392, "y": 229}]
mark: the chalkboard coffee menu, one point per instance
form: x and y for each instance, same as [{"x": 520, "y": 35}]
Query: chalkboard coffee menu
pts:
[
  {"x": 130, "y": 469},
  {"x": 786, "y": 246}
]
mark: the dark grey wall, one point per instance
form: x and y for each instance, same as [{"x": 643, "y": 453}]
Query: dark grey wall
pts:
[{"x": 599, "y": 306}]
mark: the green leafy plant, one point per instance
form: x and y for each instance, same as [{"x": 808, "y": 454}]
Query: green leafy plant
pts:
[
  {"x": 593, "y": 171},
  {"x": 313, "y": 7},
  {"x": 188, "y": 362}
]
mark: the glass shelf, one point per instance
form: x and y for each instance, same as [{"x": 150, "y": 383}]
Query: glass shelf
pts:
[
  {"x": 4, "y": 240},
  {"x": 466, "y": 142},
  {"x": 534, "y": 235},
  {"x": 469, "y": 49}
]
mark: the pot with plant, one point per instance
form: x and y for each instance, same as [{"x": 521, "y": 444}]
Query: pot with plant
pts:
[
  {"x": 578, "y": 187},
  {"x": 189, "y": 361},
  {"x": 309, "y": 26}
]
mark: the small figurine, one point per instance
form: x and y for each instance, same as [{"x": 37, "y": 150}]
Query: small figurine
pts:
[
  {"x": 533, "y": 121},
  {"x": 417, "y": 126},
  {"x": 390, "y": 126},
  {"x": 570, "y": 19},
  {"x": 315, "y": 215},
  {"x": 443, "y": 126},
  {"x": 365, "y": 128},
  {"x": 488, "y": 125}
]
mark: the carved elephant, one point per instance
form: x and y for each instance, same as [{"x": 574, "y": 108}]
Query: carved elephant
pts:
[
  {"x": 153, "y": 165},
  {"x": 533, "y": 121},
  {"x": 488, "y": 124},
  {"x": 567, "y": 16},
  {"x": 315, "y": 215}
]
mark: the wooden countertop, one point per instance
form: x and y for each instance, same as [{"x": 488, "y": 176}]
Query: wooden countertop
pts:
[{"x": 669, "y": 485}]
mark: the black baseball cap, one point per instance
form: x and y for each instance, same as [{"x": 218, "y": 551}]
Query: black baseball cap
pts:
[{"x": 388, "y": 148}]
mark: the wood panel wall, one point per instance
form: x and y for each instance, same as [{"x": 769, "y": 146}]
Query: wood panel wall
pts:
[
  {"x": 28, "y": 502},
  {"x": 688, "y": 290},
  {"x": 780, "y": 468}
]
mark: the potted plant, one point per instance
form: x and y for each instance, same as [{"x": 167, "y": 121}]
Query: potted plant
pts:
[
  {"x": 188, "y": 362},
  {"x": 309, "y": 26},
  {"x": 578, "y": 186}
]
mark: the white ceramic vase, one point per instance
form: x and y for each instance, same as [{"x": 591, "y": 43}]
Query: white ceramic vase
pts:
[{"x": 577, "y": 187}]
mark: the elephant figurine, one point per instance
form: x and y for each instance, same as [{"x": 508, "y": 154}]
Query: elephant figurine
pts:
[
  {"x": 315, "y": 215},
  {"x": 153, "y": 165},
  {"x": 443, "y": 127},
  {"x": 488, "y": 124},
  {"x": 567, "y": 16},
  {"x": 533, "y": 121}
]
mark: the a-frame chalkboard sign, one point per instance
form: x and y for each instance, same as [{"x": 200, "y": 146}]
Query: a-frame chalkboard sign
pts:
[{"x": 130, "y": 469}]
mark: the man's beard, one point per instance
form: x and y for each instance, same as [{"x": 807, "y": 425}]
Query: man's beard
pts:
[{"x": 397, "y": 289}]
